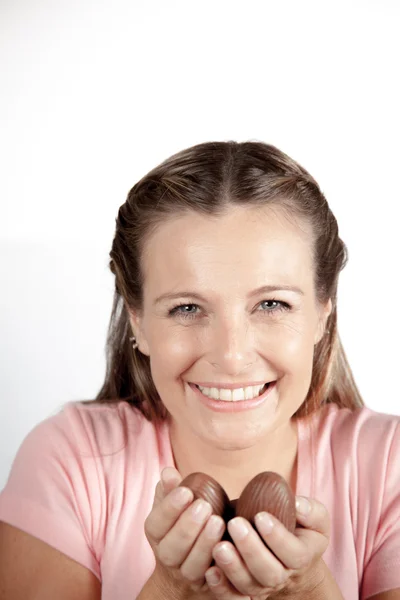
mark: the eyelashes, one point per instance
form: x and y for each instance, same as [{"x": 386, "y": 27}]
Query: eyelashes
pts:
[
  {"x": 182, "y": 312},
  {"x": 191, "y": 311}
]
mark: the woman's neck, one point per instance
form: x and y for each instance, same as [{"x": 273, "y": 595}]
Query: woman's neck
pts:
[{"x": 233, "y": 469}]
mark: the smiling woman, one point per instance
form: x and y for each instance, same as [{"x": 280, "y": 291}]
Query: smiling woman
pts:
[
  {"x": 223, "y": 358},
  {"x": 231, "y": 328}
]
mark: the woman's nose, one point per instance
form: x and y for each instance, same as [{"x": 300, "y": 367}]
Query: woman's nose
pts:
[{"x": 232, "y": 348}]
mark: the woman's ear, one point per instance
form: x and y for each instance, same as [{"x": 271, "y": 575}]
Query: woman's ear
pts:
[
  {"x": 325, "y": 311},
  {"x": 136, "y": 321}
]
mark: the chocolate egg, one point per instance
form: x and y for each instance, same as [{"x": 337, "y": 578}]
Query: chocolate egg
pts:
[
  {"x": 204, "y": 486},
  {"x": 268, "y": 492}
]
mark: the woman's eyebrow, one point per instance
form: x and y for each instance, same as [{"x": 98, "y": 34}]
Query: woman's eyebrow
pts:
[{"x": 261, "y": 290}]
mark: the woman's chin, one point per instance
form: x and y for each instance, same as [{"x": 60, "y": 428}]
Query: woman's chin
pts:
[{"x": 231, "y": 436}]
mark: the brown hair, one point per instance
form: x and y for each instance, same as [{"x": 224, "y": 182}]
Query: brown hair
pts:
[{"x": 208, "y": 178}]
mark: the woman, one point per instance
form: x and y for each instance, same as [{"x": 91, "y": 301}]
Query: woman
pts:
[{"x": 224, "y": 358}]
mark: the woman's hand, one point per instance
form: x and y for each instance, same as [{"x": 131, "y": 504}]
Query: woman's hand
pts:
[
  {"x": 252, "y": 569},
  {"x": 182, "y": 534}
]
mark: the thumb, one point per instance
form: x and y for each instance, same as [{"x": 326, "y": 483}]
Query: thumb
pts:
[{"x": 170, "y": 479}]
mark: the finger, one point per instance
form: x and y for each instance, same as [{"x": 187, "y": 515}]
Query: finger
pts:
[
  {"x": 315, "y": 520},
  {"x": 165, "y": 514},
  {"x": 295, "y": 551},
  {"x": 170, "y": 479},
  {"x": 221, "y": 587},
  {"x": 264, "y": 569},
  {"x": 269, "y": 574},
  {"x": 313, "y": 515},
  {"x": 175, "y": 546},
  {"x": 200, "y": 557},
  {"x": 158, "y": 494}
]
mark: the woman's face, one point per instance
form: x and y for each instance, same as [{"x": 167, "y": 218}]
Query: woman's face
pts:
[{"x": 229, "y": 302}]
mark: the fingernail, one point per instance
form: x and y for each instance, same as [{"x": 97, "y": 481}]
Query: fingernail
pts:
[
  {"x": 225, "y": 554},
  {"x": 303, "y": 506},
  {"x": 238, "y": 529},
  {"x": 213, "y": 578},
  {"x": 167, "y": 477},
  {"x": 200, "y": 510},
  {"x": 180, "y": 496},
  {"x": 264, "y": 523},
  {"x": 214, "y": 527}
]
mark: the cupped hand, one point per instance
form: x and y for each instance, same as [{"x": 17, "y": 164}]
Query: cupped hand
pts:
[
  {"x": 182, "y": 533},
  {"x": 287, "y": 563}
]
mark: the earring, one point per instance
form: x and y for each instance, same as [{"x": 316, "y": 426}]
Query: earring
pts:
[{"x": 135, "y": 344}]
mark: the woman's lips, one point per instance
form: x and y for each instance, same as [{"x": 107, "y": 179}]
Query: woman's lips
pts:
[{"x": 233, "y": 405}]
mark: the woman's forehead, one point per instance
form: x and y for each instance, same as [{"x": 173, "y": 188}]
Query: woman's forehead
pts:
[{"x": 244, "y": 247}]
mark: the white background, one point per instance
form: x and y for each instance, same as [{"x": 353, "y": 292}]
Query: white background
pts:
[{"x": 94, "y": 94}]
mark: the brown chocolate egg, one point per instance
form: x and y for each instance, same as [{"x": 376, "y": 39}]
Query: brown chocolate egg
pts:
[
  {"x": 204, "y": 486},
  {"x": 268, "y": 492}
]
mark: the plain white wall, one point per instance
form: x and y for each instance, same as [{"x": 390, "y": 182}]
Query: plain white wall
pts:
[{"x": 94, "y": 94}]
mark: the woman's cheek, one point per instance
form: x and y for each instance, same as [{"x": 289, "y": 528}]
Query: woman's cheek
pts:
[
  {"x": 172, "y": 350},
  {"x": 289, "y": 347},
  {"x": 290, "y": 355}
]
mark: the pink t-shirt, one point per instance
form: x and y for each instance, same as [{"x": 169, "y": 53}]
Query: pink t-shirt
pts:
[{"x": 83, "y": 481}]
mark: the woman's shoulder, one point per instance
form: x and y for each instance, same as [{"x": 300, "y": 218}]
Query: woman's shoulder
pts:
[
  {"x": 103, "y": 428},
  {"x": 350, "y": 464},
  {"x": 71, "y": 472},
  {"x": 79, "y": 430},
  {"x": 362, "y": 422},
  {"x": 362, "y": 434}
]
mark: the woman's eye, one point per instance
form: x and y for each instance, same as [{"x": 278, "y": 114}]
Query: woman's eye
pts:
[
  {"x": 185, "y": 310},
  {"x": 274, "y": 306}
]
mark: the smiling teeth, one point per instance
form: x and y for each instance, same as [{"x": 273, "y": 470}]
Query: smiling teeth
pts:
[{"x": 247, "y": 393}]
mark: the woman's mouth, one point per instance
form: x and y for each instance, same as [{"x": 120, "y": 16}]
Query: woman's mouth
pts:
[
  {"x": 236, "y": 400},
  {"x": 235, "y": 395}
]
